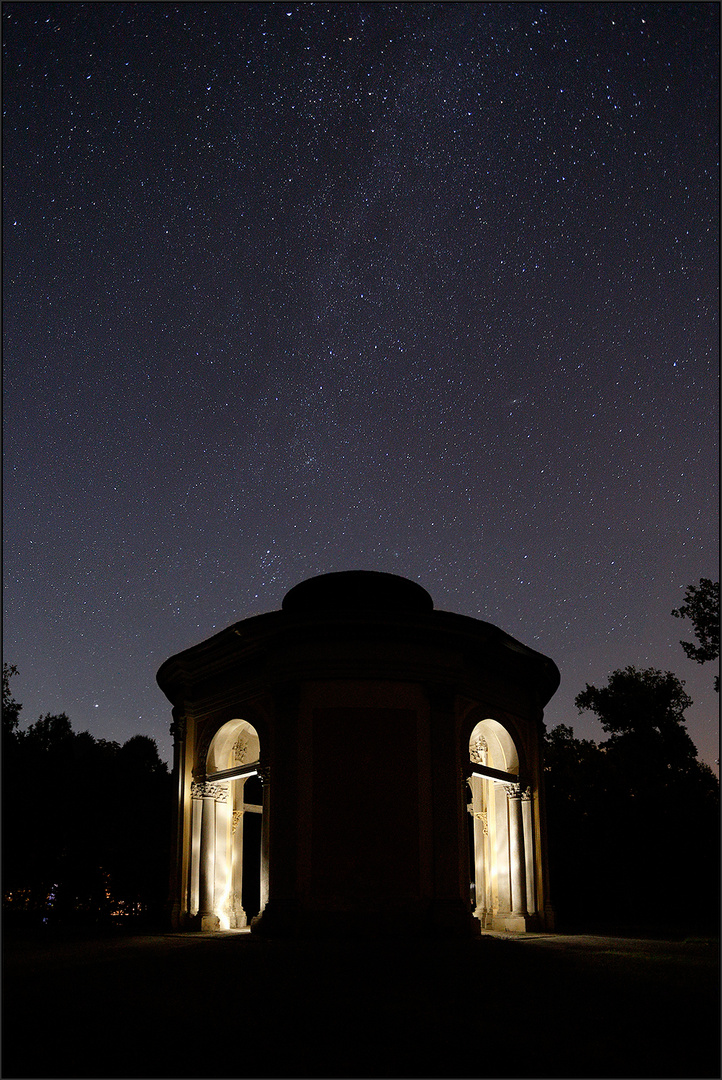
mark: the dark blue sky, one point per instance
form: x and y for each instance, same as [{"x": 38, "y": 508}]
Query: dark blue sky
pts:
[{"x": 423, "y": 288}]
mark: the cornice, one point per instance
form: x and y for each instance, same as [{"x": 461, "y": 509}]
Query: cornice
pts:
[{"x": 257, "y": 653}]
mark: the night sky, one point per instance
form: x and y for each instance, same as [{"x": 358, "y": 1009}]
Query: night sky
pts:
[{"x": 294, "y": 288}]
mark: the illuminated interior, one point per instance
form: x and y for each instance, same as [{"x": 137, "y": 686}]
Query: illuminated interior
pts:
[
  {"x": 502, "y": 840},
  {"x": 228, "y": 871},
  {"x": 226, "y": 862}
]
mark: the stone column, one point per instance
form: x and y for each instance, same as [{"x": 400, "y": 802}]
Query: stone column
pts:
[
  {"x": 207, "y": 918},
  {"x": 527, "y": 808},
  {"x": 237, "y": 913},
  {"x": 479, "y": 817},
  {"x": 196, "y": 815},
  {"x": 265, "y": 774},
  {"x": 516, "y": 852},
  {"x": 479, "y": 753},
  {"x": 222, "y": 860}
]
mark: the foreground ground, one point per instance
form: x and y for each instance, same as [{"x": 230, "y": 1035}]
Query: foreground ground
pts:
[{"x": 231, "y": 1005}]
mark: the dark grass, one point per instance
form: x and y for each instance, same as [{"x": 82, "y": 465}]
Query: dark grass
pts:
[{"x": 238, "y": 1006}]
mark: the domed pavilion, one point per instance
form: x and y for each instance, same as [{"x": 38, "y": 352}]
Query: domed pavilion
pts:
[{"x": 359, "y": 763}]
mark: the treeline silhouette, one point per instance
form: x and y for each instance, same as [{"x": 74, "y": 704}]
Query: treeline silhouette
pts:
[
  {"x": 86, "y": 825},
  {"x": 633, "y": 821},
  {"x": 634, "y": 825}
]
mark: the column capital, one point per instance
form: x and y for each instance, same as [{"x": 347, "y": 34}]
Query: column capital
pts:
[
  {"x": 514, "y": 791},
  {"x": 178, "y": 726},
  {"x": 206, "y": 790}
]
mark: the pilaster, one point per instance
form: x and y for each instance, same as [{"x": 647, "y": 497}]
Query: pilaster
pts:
[{"x": 450, "y": 907}]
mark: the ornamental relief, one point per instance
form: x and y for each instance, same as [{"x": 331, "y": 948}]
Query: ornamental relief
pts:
[
  {"x": 479, "y": 750},
  {"x": 240, "y": 750}
]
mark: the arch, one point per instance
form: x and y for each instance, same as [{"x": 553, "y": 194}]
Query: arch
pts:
[
  {"x": 222, "y": 859},
  {"x": 502, "y": 751},
  {"x": 235, "y": 743},
  {"x": 501, "y": 838}
]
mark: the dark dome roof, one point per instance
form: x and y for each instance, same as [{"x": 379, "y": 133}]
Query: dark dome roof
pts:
[{"x": 357, "y": 590}]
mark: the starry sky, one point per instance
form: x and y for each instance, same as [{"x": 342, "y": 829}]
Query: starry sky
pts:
[{"x": 423, "y": 288}]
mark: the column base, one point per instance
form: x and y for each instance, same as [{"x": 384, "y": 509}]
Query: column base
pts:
[
  {"x": 485, "y": 918},
  {"x": 206, "y": 922},
  {"x": 510, "y": 921}
]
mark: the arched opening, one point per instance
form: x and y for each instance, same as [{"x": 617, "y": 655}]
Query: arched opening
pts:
[
  {"x": 501, "y": 840},
  {"x": 226, "y": 864}
]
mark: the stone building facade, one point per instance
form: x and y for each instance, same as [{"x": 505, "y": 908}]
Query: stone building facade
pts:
[{"x": 359, "y": 763}]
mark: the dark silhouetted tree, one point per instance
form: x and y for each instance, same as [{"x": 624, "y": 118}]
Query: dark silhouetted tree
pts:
[
  {"x": 13, "y": 841},
  {"x": 142, "y": 828},
  {"x": 643, "y": 713},
  {"x": 659, "y": 804},
  {"x": 701, "y": 607},
  {"x": 11, "y": 708},
  {"x": 51, "y": 734},
  {"x": 93, "y": 837},
  {"x": 577, "y": 800}
]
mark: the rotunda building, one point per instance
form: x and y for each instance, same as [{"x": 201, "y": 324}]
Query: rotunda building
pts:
[{"x": 359, "y": 763}]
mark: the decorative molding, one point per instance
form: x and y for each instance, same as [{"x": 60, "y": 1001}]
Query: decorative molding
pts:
[
  {"x": 527, "y": 794},
  {"x": 237, "y": 815},
  {"x": 205, "y": 790},
  {"x": 478, "y": 750},
  {"x": 514, "y": 791}
]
